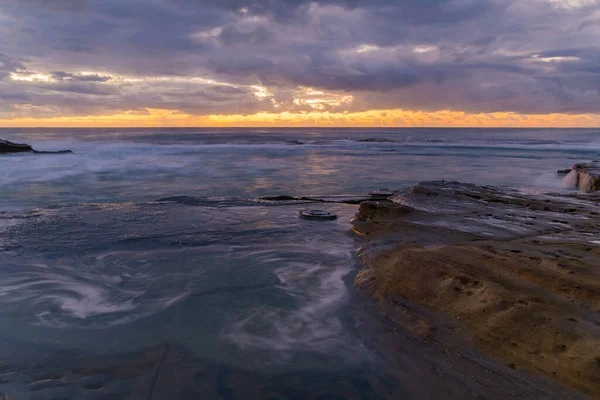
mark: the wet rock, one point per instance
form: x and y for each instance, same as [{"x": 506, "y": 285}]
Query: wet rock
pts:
[
  {"x": 324, "y": 199},
  {"x": 10, "y": 147},
  {"x": 497, "y": 261},
  {"x": 382, "y": 194},
  {"x": 378, "y": 210},
  {"x": 54, "y": 152},
  {"x": 585, "y": 177},
  {"x": 279, "y": 198},
  {"x": 375, "y": 140}
]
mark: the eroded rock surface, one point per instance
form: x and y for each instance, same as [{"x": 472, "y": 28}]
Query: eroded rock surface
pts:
[
  {"x": 519, "y": 273},
  {"x": 585, "y": 177}
]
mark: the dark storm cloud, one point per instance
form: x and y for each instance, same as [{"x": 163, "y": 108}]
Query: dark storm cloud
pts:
[
  {"x": 76, "y": 87},
  {"x": 537, "y": 56},
  {"x": 232, "y": 35}
]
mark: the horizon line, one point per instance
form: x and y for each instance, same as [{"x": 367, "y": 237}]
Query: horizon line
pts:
[{"x": 299, "y": 127}]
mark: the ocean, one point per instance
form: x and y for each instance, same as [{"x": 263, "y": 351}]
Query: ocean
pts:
[
  {"x": 120, "y": 165},
  {"x": 152, "y": 249}
]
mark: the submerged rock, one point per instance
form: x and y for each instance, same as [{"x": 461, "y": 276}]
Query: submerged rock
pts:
[
  {"x": 585, "y": 177},
  {"x": 375, "y": 140},
  {"x": 279, "y": 198},
  {"x": 322, "y": 199},
  {"x": 53, "y": 152},
  {"x": 10, "y": 147}
]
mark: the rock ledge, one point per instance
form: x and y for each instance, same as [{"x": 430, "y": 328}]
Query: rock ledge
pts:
[
  {"x": 518, "y": 273},
  {"x": 10, "y": 147}
]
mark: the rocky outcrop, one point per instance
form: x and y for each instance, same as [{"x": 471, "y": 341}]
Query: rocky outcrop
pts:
[
  {"x": 585, "y": 177},
  {"x": 10, "y": 147},
  {"x": 519, "y": 274}
]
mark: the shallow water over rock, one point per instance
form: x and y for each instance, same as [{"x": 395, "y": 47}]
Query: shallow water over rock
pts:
[{"x": 216, "y": 299}]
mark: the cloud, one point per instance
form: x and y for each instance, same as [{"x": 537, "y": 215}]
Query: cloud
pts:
[
  {"x": 66, "y": 76},
  {"x": 74, "y": 57},
  {"x": 8, "y": 65}
]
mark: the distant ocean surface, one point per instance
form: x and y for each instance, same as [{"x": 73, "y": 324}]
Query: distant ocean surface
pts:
[
  {"x": 119, "y": 165},
  {"x": 94, "y": 268}
]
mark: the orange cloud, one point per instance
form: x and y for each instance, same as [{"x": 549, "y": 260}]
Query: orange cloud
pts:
[{"x": 373, "y": 118}]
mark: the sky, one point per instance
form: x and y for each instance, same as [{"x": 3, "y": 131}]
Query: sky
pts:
[{"x": 300, "y": 63}]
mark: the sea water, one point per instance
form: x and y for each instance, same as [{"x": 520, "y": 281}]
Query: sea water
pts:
[
  {"x": 119, "y": 165},
  {"x": 158, "y": 237}
]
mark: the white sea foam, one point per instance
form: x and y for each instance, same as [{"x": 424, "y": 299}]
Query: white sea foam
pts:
[
  {"x": 62, "y": 296},
  {"x": 117, "y": 166},
  {"x": 312, "y": 324},
  {"x": 571, "y": 179}
]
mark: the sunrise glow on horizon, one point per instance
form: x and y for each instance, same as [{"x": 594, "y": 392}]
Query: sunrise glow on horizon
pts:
[
  {"x": 459, "y": 63},
  {"x": 375, "y": 118}
]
